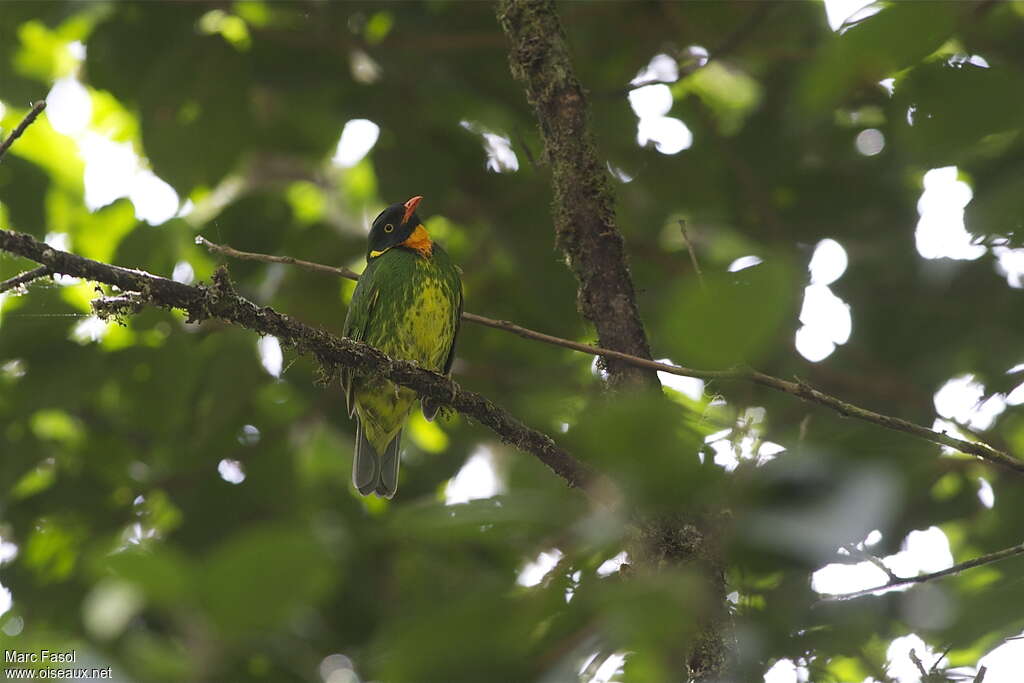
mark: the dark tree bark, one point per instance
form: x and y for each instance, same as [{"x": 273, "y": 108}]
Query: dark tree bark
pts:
[
  {"x": 584, "y": 207},
  {"x": 585, "y": 229}
]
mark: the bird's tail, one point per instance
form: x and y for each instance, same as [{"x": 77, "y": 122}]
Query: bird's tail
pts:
[
  {"x": 372, "y": 473},
  {"x": 364, "y": 464},
  {"x": 387, "y": 477}
]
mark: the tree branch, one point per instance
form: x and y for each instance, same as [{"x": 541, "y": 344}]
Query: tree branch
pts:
[
  {"x": 693, "y": 253},
  {"x": 268, "y": 258},
  {"x": 854, "y": 551},
  {"x": 806, "y": 392},
  {"x": 24, "y": 278},
  {"x": 221, "y": 302},
  {"x": 918, "y": 663},
  {"x": 895, "y": 581},
  {"x": 799, "y": 388},
  {"x": 584, "y": 211},
  {"x": 36, "y": 110}
]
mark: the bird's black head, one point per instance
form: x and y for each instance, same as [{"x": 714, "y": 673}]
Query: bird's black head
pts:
[{"x": 398, "y": 226}]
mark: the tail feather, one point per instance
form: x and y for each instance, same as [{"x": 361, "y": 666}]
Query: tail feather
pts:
[
  {"x": 372, "y": 473},
  {"x": 365, "y": 464},
  {"x": 387, "y": 477}
]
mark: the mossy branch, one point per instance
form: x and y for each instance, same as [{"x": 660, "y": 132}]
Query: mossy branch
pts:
[
  {"x": 23, "y": 279},
  {"x": 220, "y": 301},
  {"x": 584, "y": 205}
]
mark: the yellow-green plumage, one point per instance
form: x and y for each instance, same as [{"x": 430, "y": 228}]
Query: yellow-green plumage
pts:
[{"x": 407, "y": 304}]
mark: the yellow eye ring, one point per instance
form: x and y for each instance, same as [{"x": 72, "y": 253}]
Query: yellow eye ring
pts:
[{"x": 389, "y": 228}]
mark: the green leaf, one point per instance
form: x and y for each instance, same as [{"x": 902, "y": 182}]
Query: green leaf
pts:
[
  {"x": 262, "y": 577},
  {"x": 52, "y": 549},
  {"x": 500, "y": 518},
  {"x": 649, "y": 449},
  {"x": 44, "y": 54},
  {"x": 160, "y": 572},
  {"x": 23, "y": 188},
  {"x": 57, "y": 425},
  {"x": 951, "y": 113},
  {"x": 733, "y": 318},
  {"x": 35, "y": 481},
  {"x": 902, "y": 34},
  {"x": 998, "y": 207},
  {"x": 730, "y": 93}
]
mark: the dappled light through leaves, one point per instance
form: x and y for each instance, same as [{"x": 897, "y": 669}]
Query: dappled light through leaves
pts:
[
  {"x": 815, "y": 209},
  {"x": 940, "y": 231},
  {"x": 826, "y": 318},
  {"x": 357, "y": 139}
]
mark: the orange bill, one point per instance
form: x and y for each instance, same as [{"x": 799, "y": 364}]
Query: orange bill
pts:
[{"x": 410, "y": 207}]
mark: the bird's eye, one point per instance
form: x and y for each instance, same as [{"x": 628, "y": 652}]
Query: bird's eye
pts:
[{"x": 388, "y": 227}]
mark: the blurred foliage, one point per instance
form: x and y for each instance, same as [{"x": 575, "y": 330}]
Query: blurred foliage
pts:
[{"x": 170, "y": 508}]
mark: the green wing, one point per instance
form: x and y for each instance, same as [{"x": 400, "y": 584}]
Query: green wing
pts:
[
  {"x": 455, "y": 336},
  {"x": 427, "y": 405},
  {"x": 360, "y": 311},
  {"x": 453, "y": 274}
]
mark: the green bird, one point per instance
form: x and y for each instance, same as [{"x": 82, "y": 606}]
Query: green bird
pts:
[{"x": 408, "y": 304}]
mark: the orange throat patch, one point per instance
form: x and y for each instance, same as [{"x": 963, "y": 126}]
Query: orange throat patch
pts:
[{"x": 420, "y": 241}]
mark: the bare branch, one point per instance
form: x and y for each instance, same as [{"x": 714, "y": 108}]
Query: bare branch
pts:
[
  {"x": 36, "y": 110},
  {"x": 918, "y": 663},
  {"x": 24, "y": 278},
  {"x": 693, "y": 254},
  {"x": 584, "y": 206},
  {"x": 267, "y": 258},
  {"x": 981, "y": 675},
  {"x": 799, "y": 388},
  {"x": 221, "y": 302},
  {"x": 806, "y": 392},
  {"x": 997, "y": 556},
  {"x": 868, "y": 557},
  {"x": 938, "y": 660}
]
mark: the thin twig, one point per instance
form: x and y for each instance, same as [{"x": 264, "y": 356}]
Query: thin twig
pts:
[
  {"x": 918, "y": 663},
  {"x": 854, "y": 551},
  {"x": 693, "y": 253},
  {"x": 799, "y": 388},
  {"x": 935, "y": 665},
  {"x": 268, "y": 258},
  {"x": 24, "y": 278},
  {"x": 997, "y": 556},
  {"x": 36, "y": 110},
  {"x": 981, "y": 675},
  {"x": 221, "y": 302}
]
